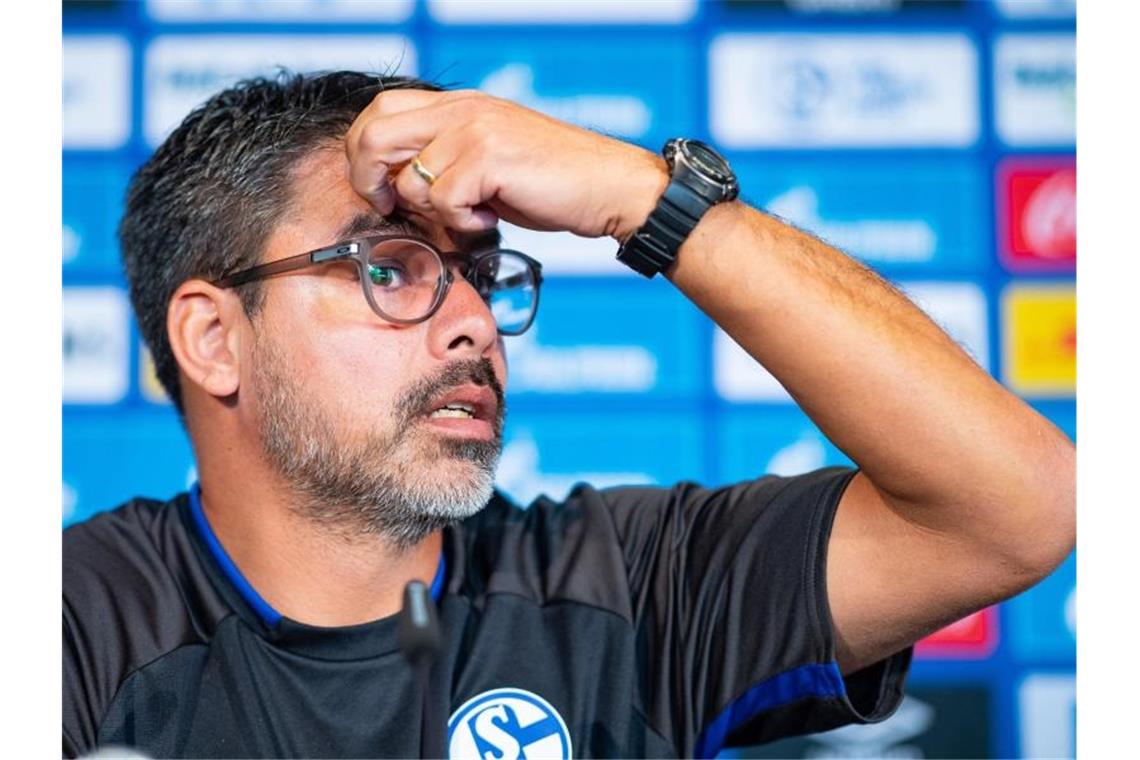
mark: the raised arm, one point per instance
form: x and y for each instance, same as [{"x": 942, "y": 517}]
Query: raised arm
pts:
[{"x": 965, "y": 495}]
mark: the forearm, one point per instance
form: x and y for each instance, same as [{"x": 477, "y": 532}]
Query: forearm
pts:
[
  {"x": 941, "y": 441},
  {"x": 928, "y": 427}
]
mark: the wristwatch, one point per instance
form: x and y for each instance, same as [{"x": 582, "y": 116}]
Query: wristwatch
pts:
[{"x": 700, "y": 178}]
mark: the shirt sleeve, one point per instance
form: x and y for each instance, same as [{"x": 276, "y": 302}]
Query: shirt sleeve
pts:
[
  {"x": 78, "y": 722},
  {"x": 729, "y": 601}
]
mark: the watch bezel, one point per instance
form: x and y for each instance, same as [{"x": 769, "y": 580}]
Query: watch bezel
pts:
[{"x": 680, "y": 151}]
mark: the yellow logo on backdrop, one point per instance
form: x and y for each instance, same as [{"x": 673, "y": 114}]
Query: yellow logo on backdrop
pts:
[
  {"x": 1039, "y": 333},
  {"x": 148, "y": 381}
]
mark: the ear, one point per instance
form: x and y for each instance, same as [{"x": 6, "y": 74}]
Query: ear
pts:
[{"x": 203, "y": 324}]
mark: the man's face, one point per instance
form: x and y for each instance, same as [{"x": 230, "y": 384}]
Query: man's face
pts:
[{"x": 346, "y": 404}]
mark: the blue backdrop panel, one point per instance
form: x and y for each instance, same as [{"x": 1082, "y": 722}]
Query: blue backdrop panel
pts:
[
  {"x": 924, "y": 137},
  {"x": 92, "y": 193},
  {"x": 904, "y": 219},
  {"x": 109, "y": 460},
  {"x": 597, "y": 337},
  {"x": 778, "y": 440},
  {"x": 548, "y": 452},
  {"x": 643, "y": 90}
]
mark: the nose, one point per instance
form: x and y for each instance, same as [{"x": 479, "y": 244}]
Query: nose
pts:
[{"x": 463, "y": 328}]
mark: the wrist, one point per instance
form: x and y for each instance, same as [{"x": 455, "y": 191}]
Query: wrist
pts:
[
  {"x": 641, "y": 191},
  {"x": 698, "y": 179}
]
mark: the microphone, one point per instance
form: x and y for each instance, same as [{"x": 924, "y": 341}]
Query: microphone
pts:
[
  {"x": 115, "y": 752},
  {"x": 419, "y": 639}
]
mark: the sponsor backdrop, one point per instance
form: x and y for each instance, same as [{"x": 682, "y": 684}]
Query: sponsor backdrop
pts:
[{"x": 933, "y": 140}]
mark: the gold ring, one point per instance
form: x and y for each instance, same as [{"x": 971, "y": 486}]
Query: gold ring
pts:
[{"x": 423, "y": 171}]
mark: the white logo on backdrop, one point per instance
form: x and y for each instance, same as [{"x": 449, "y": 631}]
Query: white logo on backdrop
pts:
[
  {"x": 881, "y": 240},
  {"x": 808, "y": 90},
  {"x": 183, "y": 71},
  {"x": 1035, "y": 89},
  {"x": 278, "y": 11},
  {"x": 520, "y": 473},
  {"x": 624, "y": 115},
  {"x": 96, "y": 91},
  {"x": 878, "y": 740},
  {"x": 71, "y": 242},
  {"x": 564, "y": 253},
  {"x": 1049, "y": 223},
  {"x": 69, "y": 500},
  {"x": 1037, "y": 8},
  {"x": 804, "y": 455},
  {"x": 563, "y": 11},
  {"x": 1047, "y": 705},
  {"x": 578, "y": 369},
  {"x": 96, "y": 352},
  {"x": 738, "y": 377},
  {"x": 958, "y": 307},
  {"x": 191, "y": 477}
]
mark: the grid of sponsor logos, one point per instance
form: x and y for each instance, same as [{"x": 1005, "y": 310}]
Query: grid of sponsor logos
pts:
[{"x": 933, "y": 140}]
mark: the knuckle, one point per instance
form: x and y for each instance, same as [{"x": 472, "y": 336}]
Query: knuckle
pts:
[
  {"x": 370, "y": 137},
  {"x": 449, "y": 199},
  {"x": 484, "y": 128},
  {"x": 466, "y": 94},
  {"x": 441, "y": 195},
  {"x": 411, "y": 188},
  {"x": 384, "y": 102}
]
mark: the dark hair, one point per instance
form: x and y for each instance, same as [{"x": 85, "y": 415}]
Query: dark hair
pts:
[{"x": 206, "y": 199}]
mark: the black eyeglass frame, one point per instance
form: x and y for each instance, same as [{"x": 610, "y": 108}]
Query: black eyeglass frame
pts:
[{"x": 357, "y": 250}]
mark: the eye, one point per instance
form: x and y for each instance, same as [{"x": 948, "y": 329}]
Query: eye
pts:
[{"x": 386, "y": 275}]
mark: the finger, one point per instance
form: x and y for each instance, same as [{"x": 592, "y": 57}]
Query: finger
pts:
[
  {"x": 389, "y": 103},
  {"x": 412, "y": 189},
  {"x": 379, "y": 144},
  {"x": 402, "y": 99},
  {"x": 457, "y": 199},
  {"x": 406, "y": 119}
]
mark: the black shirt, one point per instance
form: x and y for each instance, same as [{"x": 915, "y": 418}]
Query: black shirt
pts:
[{"x": 633, "y": 622}]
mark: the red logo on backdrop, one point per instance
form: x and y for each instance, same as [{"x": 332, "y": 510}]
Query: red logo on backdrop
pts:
[
  {"x": 973, "y": 637},
  {"x": 1039, "y": 214}
]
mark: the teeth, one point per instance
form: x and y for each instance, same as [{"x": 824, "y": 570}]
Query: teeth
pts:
[{"x": 456, "y": 410}]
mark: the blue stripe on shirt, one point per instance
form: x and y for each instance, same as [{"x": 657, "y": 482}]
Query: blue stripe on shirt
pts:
[
  {"x": 819, "y": 681},
  {"x": 264, "y": 610}
]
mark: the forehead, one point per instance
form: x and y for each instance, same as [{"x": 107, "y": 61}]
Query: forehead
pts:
[{"x": 324, "y": 209}]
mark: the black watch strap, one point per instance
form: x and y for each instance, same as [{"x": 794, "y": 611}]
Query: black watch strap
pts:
[{"x": 653, "y": 248}]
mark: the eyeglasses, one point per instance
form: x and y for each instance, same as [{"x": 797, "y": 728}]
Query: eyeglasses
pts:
[{"x": 405, "y": 280}]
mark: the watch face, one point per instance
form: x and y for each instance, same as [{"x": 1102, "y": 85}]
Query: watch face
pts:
[{"x": 706, "y": 160}]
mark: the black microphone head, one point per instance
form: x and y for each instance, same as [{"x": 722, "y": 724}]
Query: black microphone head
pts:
[{"x": 418, "y": 633}]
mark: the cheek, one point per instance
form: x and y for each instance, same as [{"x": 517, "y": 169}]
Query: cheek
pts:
[
  {"x": 366, "y": 367},
  {"x": 350, "y": 361},
  {"x": 502, "y": 368},
  {"x": 339, "y": 354},
  {"x": 377, "y": 368}
]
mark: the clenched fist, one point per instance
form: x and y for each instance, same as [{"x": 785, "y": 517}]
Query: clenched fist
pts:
[{"x": 482, "y": 159}]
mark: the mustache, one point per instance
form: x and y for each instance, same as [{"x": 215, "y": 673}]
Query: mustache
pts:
[{"x": 418, "y": 398}]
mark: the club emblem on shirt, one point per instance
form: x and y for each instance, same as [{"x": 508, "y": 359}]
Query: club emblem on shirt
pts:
[{"x": 507, "y": 724}]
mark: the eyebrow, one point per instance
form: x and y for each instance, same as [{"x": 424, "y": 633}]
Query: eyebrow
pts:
[
  {"x": 373, "y": 222},
  {"x": 484, "y": 240},
  {"x": 376, "y": 223}
]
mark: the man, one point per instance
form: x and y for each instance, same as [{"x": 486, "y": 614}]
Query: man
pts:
[{"x": 313, "y": 263}]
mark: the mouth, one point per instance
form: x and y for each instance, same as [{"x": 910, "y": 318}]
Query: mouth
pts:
[{"x": 469, "y": 411}]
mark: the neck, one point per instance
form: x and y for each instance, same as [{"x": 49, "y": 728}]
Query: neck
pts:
[{"x": 308, "y": 573}]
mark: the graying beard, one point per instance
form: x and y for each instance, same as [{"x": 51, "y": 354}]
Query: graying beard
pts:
[{"x": 352, "y": 491}]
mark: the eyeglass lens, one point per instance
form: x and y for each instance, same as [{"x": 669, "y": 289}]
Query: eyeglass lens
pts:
[{"x": 405, "y": 278}]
